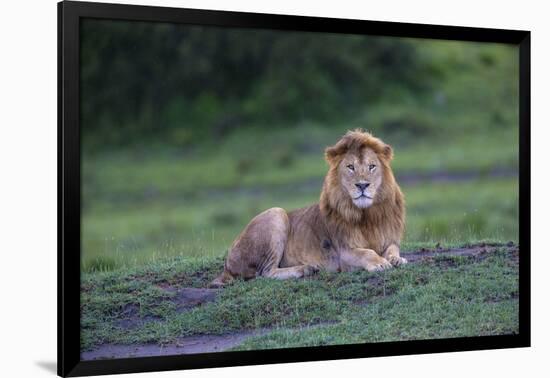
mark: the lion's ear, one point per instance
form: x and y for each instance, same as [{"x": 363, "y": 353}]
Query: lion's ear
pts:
[
  {"x": 387, "y": 151},
  {"x": 332, "y": 153}
]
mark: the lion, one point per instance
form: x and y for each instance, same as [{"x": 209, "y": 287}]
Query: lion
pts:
[{"x": 358, "y": 222}]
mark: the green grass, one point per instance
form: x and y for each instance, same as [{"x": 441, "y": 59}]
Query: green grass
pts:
[
  {"x": 255, "y": 159},
  {"x": 445, "y": 212},
  {"x": 166, "y": 196},
  {"x": 140, "y": 204},
  {"x": 443, "y": 297},
  {"x": 161, "y": 215}
]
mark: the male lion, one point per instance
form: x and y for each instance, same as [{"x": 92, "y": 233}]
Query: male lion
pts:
[{"x": 358, "y": 222}]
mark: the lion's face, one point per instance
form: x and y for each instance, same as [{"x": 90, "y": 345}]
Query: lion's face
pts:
[{"x": 361, "y": 176}]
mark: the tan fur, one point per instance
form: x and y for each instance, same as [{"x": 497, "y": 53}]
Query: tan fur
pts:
[{"x": 352, "y": 226}]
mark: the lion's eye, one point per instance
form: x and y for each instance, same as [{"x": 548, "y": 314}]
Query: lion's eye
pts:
[
  {"x": 351, "y": 167},
  {"x": 371, "y": 167}
]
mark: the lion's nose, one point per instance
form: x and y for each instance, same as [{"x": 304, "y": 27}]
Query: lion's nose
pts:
[{"x": 362, "y": 186}]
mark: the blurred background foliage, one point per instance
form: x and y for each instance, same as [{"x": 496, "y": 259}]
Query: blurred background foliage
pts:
[
  {"x": 216, "y": 79},
  {"x": 189, "y": 131}
]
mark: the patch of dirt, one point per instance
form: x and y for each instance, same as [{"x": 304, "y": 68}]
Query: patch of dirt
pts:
[
  {"x": 185, "y": 299},
  {"x": 378, "y": 285},
  {"x": 190, "y": 297},
  {"x": 185, "y": 345},
  {"x": 130, "y": 317},
  {"x": 476, "y": 251}
]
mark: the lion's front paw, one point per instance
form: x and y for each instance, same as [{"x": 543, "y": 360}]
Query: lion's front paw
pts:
[
  {"x": 380, "y": 265},
  {"x": 310, "y": 270},
  {"x": 397, "y": 260}
]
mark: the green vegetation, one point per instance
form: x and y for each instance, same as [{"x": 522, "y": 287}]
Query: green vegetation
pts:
[
  {"x": 178, "y": 85},
  {"x": 445, "y": 212},
  {"x": 189, "y": 132},
  {"x": 188, "y": 190},
  {"x": 443, "y": 297},
  {"x": 202, "y": 80},
  {"x": 139, "y": 207}
]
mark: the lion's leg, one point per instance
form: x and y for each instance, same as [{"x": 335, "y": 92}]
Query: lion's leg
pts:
[
  {"x": 251, "y": 251},
  {"x": 363, "y": 258},
  {"x": 291, "y": 272},
  {"x": 275, "y": 229},
  {"x": 259, "y": 249},
  {"x": 392, "y": 255},
  {"x": 278, "y": 238}
]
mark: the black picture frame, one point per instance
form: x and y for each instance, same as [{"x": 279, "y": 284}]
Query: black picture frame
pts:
[{"x": 69, "y": 197}]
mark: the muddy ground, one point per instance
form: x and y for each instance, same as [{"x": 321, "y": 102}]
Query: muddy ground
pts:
[{"x": 188, "y": 298}]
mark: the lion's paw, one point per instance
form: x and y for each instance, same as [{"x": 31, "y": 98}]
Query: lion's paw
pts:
[
  {"x": 310, "y": 270},
  {"x": 383, "y": 264},
  {"x": 397, "y": 260}
]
